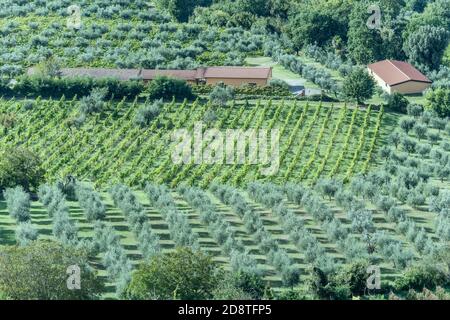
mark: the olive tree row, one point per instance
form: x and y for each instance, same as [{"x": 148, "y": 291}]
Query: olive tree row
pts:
[
  {"x": 276, "y": 256},
  {"x": 18, "y": 204},
  {"x": 148, "y": 241},
  {"x": 220, "y": 229},
  {"x": 180, "y": 230}
]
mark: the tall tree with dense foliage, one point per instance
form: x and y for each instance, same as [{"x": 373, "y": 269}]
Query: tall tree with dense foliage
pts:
[
  {"x": 359, "y": 86},
  {"x": 438, "y": 100},
  {"x": 19, "y": 166},
  {"x": 182, "y": 274},
  {"x": 182, "y": 9},
  {"x": 39, "y": 272},
  {"x": 425, "y": 47}
]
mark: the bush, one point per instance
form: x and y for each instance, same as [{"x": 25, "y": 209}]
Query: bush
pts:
[
  {"x": 93, "y": 103},
  {"x": 167, "y": 88},
  {"x": 397, "y": 103},
  {"x": 18, "y": 203},
  {"x": 221, "y": 94},
  {"x": 20, "y": 167},
  {"x": 182, "y": 274},
  {"x": 70, "y": 87},
  {"x": 25, "y": 233},
  {"x": 25, "y": 270},
  {"x": 422, "y": 276},
  {"x": 438, "y": 100},
  {"x": 148, "y": 112}
]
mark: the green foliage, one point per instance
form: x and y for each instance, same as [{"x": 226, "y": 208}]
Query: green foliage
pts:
[
  {"x": 221, "y": 95},
  {"x": 438, "y": 100},
  {"x": 397, "y": 103},
  {"x": 18, "y": 203},
  {"x": 147, "y": 112},
  {"x": 39, "y": 272},
  {"x": 426, "y": 46},
  {"x": 167, "y": 88},
  {"x": 182, "y": 9},
  {"x": 424, "y": 275},
  {"x": 20, "y": 167},
  {"x": 182, "y": 274},
  {"x": 359, "y": 86}
]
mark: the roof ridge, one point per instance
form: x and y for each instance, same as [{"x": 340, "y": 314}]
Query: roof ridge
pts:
[{"x": 407, "y": 76}]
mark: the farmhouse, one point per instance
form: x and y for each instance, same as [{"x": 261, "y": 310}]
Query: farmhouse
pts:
[
  {"x": 398, "y": 76},
  {"x": 234, "y": 76}
]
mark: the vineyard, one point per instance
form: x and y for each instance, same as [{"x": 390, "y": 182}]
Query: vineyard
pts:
[
  {"x": 316, "y": 140},
  {"x": 392, "y": 216}
]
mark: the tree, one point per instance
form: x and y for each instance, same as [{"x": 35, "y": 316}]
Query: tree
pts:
[
  {"x": 94, "y": 102},
  {"x": 424, "y": 275},
  {"x": 221, "y": 94},
  {"x": 39, "y": 272},
  {"x": 420, "y": 130},
  {"x": 147, "y": 112},
  {"x": 397, "y": 103},
  {"x": 20, "y": 167},
  {"x": 438, "y": 100},
  {"x": 364, "y": 44},
  {"x": 182, "y": 9},
  {"x": 407, "y": 124},
  {"x": 426, "y": 46},
  {"x": 359, "y": 85},
  {"x": 182, "y": 274},
  {"x": 167, "y": 88},
  {"x": 18, "y": 203}
]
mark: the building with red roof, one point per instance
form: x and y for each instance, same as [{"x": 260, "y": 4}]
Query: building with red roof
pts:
[{"x": 398, "y": 76}]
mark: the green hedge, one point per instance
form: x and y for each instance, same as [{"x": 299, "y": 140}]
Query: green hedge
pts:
[
  {"x": 33, "y": 86},
  {"x": 267, "y": 91}
]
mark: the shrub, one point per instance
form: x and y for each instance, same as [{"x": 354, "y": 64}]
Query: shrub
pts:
[
  {"x": 422, "y": 276},
  {"x": 221, "y": 94},
  {"x": 90, "y": 201},
  {"x": 397, "y": 103},
  {"x": 25, "y": 233},
  {"x": 148, "y": 112},
  {"x": 167, "y": 88},
  {"x": 19, "y": 279},
  {"x": 182, "y": 274},
  {"x": 18, "y": 203},
  {"x": 93, "y": 103},
  {"x": 20, "y": 167}
]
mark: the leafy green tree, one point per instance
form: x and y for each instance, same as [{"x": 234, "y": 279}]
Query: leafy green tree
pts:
[
  {"x": 426, "y": 46},
  {"x": 221, "y": 94},
  {"x": 39, "y": 272},
  {"x": 182, "y": 9},
  {"x": 423, "y": 275},
  {"x": 147, "y": 112},
  {"x": 20, "y": 167},
  {"x": 94, "y": 102},
  {"x": 438, "y": 100},
  {"x": 359, "y": 85},
  {"x": 397, "y": 102},
  {"x": 182, "y": 274},
  {"x": 167, "y": 88},
  {"x": 364, "y": 44}
]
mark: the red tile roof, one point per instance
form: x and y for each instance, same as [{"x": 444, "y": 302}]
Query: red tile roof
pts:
[
  {"x": 121, "y": 74},
  {"x": 238, "y": 72},
  {"x": 395, "y": 72},
  {"x": 147, "y": 74}
]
